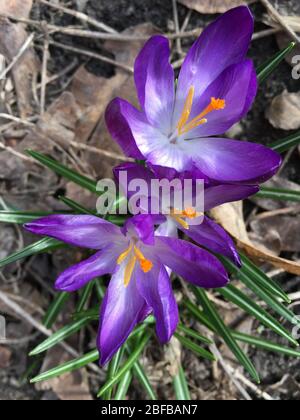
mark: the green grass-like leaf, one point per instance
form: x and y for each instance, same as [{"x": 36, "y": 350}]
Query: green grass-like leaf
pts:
[
  {"x": 181, "y": 387},
  {"x": 199, "y": 351},
  {"x": 267, "y": 68},
  {"x": 234, "y": 295},
  {"x": 43, "y": 245},
  {"x": 225, "y": 333},
  {"x": 279, "y": 194},
  {"x": 55, "y": 309},
  {"x": 262, "y": 279},
  {"x": 59, "y": 336},
  {"x": 261, "y": 292},
  {"x": 193, "y": 334},
  {"x": 287, "y": 143},
  {"x": 65, "y": 172},
  {"x": 244, "y": 338},
  {"x": 123, "y": 386},
  {"x": 127, "y": 365},
  {"x": 70, "y": 366}
]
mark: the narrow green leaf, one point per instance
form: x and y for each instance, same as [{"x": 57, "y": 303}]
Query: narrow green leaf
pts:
[
  {"x": 247, "y": 279},
  {"x": 85, "y": 294},
  {"x": 78, "y": 208},
  {"x": 262, "y": 279},
  {"x": 194, "y": 334},
  {"x": 265, "y": 344},
  {"x": 70, "y": 366},
  {"x": 181, "y": 387},
  {"x": 234, "y": 295},
  {"x": 279, "y": 194},
  {"x": 59, "y": 336},
  {"x": 287, "y": 143},
  {"x": 267, "y": 68},
  {"x": 112, "y": 369},
  {"x": 127, "y": 366},
  {"x": 123, "y": 386},
  {"x": 20, "y": 217},
  {"x": 195, "y": 348},
  {"x": 64, "y": 171},
  {"x": 225, "y": 333},
  {"x": 55, "y": 308},
  {"x": 199, "y": 315},
  {"x": 140, "y": 374},
  {"x": 43, "y": 245}
]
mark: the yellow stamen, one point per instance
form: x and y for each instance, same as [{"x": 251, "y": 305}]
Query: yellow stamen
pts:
[
  {"x": 184, "y": 126},
  {"x": 124, "y": 255},
  {"x": 188, "y": 213},
  {"x": 129, "y": 270},
  {"x": 187, "y": 109},
  {"x": 146, "y": 265},
  {"x": 181, "y": 221}
]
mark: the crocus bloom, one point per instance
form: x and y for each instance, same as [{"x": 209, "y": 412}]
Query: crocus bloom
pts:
[
  {"x": 206, "y": 233},
  {"x": 177, "y": 125},
  {"x": 139, "y": 262}
]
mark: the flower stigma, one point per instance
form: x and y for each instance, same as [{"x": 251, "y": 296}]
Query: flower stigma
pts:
[
  {"x": 134, "y": 254},
  {"x": 184, "y": 125}
]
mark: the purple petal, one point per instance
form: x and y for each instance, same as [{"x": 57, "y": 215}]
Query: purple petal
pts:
[
  {"x": 167, "y": 228},
  {"x": 214, "y": 238},
  {"x": 237, "y": 85},
  {"x": 77, "y": 276},
  {"x": 84, "y": 231},
  {"x": 121, "y": 309},
  {"x": 120, "y": 130},
  {"x": 194, "y": 264},
  {"x": 223, "y": 43},
  {"x": 220, "y": 194},
  {"x": 156, "y": 289},
  {"x": 226, "y": 160},
  {"x": 155, "y": 82},
  {"x": 151, "y": 142},
  {"x": 142, "y": 226}
]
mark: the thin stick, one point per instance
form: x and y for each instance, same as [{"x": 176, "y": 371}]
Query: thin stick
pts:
[
  {"x": 91, "y": 149},
  {"x": 99, "y": 35},
  {"x": 44, "y": 75},
  {"x": 17, "y": 154},
  {"x": 229, "y": 370},
  {"x": 177, "y": 28},
  {"x": 91, "y": 54},
  {"x": 81, "y": 16},
  {"x": 24, "y": 316},
  {"x": 22, "y": 50},
  {"x": 16, "y": 119},
  {"x": 274, "y": 13}
]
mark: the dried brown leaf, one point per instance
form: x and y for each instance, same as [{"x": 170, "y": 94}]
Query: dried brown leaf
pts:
[
  {"x": 230, "y": 216},
  {"x": 213, "y": 6},
  {"x": 284, "y": 112},
  {"x": 16, "y": 8}
]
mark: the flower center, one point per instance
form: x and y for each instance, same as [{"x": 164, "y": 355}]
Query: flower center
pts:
[
  {"x": 184, "y": 125},
  {"x": 180, "y": 216},
  {"x": 134, "y": 254}
]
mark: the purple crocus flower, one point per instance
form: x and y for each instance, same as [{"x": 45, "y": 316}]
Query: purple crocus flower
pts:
[
  {"x": 177, "y": 126},
  {"x": 138, "y": 261},
  {"x": 206, "y": 233}
]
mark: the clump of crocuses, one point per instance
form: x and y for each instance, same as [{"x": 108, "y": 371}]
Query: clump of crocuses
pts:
[{"x": 175, "y": 133}]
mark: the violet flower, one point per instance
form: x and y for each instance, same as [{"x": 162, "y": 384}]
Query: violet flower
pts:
[
  {"x": 177, "y": 126},
  {"x": 207, "y": 233},
  {"x": 137, "y": 260}
]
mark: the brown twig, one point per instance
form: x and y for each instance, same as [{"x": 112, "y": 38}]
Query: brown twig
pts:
[
  {"x": 80, "y": 16},
  {"x": 92, "y": 54},
  {"x": 277, "y": 16},
  {"x": 44, "y": 75},
  {"x": 22, "y": 50},
  {"x": 177, "y": 28}
]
